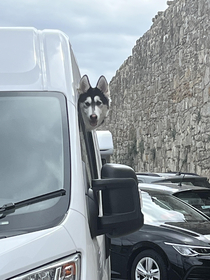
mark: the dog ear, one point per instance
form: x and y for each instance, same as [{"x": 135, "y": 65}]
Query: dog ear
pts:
[
  {"x": 103, "y": 85},
  {"x": 84, "y": 84}
]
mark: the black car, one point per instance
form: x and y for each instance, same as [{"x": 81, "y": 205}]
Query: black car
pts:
[{"x": 173, "y": 244}]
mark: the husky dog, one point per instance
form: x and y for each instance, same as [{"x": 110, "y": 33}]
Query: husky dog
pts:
[{"x": 93, "y": 102}]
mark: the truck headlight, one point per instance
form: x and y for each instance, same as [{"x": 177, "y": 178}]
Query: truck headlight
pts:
[{"x": 64, "y": 269}]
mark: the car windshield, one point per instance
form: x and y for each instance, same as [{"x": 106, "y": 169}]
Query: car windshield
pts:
[
  {"x": 158, "y": 207},
  {"x": 34, "y": 154}
]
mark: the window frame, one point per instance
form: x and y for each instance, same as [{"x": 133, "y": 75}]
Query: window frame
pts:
[{"x": 90, "y": 148}]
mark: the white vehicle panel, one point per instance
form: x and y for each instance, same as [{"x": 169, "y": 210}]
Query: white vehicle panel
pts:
[
  {"x": 28, "y": 251},
  {"x": 40, "y": 61}
]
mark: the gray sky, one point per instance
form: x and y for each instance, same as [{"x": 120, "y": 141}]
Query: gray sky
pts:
[{"x": 102, "y": 32}]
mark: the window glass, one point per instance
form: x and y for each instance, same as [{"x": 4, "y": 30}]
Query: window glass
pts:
[
  {"x": 31, "y": 147},
  {"x": 166, "y": 208},
  {"x": 196, "y": 198},
  {"x": 34, "y": 153}
]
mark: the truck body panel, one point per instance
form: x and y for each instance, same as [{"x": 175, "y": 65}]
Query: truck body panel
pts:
[{"x": 52, "y": 215}]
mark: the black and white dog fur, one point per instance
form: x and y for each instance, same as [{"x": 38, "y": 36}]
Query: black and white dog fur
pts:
[{"x": 93, "y": 102}]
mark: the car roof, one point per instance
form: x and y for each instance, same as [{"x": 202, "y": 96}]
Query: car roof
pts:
[
  {"x": 167, "y": 174},
  {"x": 179, "y": 173},
  {"x": 148, "y": 174},
  {"x": 169, "y": 188},
  {"x": 187, "y": 177},
  {"x": 182, "y": 178}
]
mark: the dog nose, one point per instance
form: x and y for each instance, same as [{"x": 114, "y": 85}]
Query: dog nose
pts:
[{"x": 93, "y": 117}]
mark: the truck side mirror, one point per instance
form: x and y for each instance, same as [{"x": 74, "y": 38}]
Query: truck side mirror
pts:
[{"x": 121, "y": 201}]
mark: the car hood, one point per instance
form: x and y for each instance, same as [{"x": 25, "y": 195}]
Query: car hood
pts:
[
  {"x": 195, "y": 234},
  {"x": 187, "y": 232},
  {"x": 193, "y": 228}
]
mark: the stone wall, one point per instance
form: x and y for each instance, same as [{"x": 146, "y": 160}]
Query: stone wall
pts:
[{"x": 160, "y": 113}]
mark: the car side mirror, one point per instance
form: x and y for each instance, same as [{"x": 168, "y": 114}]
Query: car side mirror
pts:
[{"x": 121, "y": 202}]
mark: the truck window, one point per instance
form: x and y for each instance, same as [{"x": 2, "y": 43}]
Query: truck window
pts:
[{"x": 34, "y": 158}]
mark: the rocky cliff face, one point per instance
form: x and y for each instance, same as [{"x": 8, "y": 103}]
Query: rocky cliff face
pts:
[{"x": 160, "y": 115}]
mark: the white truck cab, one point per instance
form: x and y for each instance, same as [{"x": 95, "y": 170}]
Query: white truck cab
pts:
[{"x": 58, "y": 205}]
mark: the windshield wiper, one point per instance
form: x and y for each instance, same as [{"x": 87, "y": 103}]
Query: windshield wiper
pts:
[{"x": 11, "y": 207}]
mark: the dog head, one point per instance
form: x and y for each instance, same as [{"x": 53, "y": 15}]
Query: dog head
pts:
[{"x": 93, "y": 102}]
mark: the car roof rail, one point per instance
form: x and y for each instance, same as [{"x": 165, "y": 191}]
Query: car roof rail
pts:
[{"x": 148, "y": 174}]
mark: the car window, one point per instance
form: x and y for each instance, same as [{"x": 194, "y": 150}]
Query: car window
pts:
[
  {"x": 166, "y": 208},
  {"x": 199, "y": 199}
]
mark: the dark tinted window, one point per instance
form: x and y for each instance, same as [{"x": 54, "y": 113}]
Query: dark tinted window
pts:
[{"x": 196, "y": 198}]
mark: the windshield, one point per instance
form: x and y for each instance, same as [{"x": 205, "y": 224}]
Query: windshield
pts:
[
  {"x": 33, "y": 156},
  {"x": 161, "y": 208}
]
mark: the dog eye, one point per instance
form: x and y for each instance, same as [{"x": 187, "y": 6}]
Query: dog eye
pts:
[
  {"x": 87, "y": 104},
  {"x": 98, "y": 103}
]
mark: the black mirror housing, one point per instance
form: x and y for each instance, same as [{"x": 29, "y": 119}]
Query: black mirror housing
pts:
[{"x": 121, "y": 202}]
